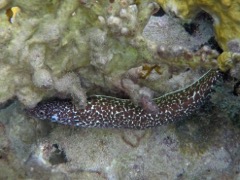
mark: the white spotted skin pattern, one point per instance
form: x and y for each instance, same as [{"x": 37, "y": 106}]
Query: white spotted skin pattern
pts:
[{"x": 110, "y": 112}]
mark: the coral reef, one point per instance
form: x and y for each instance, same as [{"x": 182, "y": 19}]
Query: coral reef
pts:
[
  {"x": 76, "y": 48},
  {"x": 170, "y": 31},
  {"x": 70, "y": 48},
  {"x": 226, "y": 25},
  {"x": 224, "y": 14}
]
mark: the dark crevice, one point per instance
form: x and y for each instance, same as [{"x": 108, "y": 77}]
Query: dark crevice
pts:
[{"x": 160, "y": 13}]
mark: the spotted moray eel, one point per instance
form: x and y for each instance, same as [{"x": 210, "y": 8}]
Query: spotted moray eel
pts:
[{"x": 110, "y": 112}]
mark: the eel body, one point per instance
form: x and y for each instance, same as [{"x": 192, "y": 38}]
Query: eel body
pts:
[{"x": 111, "y": 112}]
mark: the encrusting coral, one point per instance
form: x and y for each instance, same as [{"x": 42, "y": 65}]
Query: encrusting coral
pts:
[
  {"x": 69, "y": 47},
  {"x": 78, "y": 48},
  {"x": 225, "y": 15}
]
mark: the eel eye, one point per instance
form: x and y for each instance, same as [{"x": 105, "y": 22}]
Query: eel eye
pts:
[{"x": 54, "y": 118}]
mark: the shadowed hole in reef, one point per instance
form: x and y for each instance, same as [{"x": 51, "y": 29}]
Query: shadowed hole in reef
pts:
[
  {"x": 6, "y": 104},
  {"x": 58, "y": 156},
  {"x": 193, "y": 29},
  {"x": 236, "y": 89},
  {"x": 159, "y": 13},
  {"x": 214, "y": 45}
]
